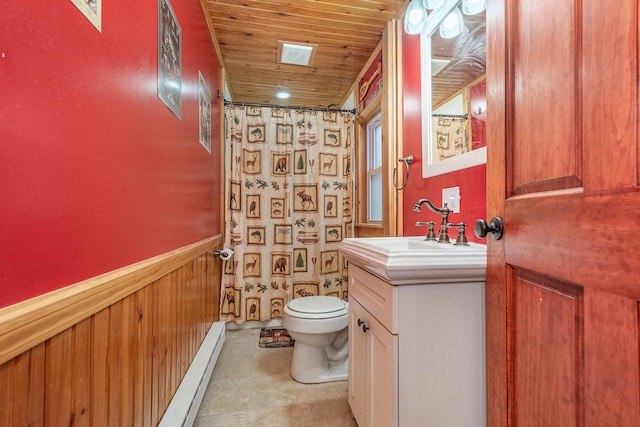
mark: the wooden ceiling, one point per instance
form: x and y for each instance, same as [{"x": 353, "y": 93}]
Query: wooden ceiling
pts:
[{"x": 346, "y": 32}]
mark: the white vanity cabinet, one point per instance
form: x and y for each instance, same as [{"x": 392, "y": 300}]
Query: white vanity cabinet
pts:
[
  {"x": 416, "y": 352},
  {"x": 372, "y": 350}
]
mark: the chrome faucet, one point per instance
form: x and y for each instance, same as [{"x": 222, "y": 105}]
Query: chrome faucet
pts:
[{"x": 443, "y": 236}]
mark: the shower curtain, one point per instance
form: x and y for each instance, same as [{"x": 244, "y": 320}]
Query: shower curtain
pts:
[
  {"x": 288, "y": 190},
  {"x": 450, "y": 137}
]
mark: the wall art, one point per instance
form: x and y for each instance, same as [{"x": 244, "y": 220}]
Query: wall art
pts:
[
  {"x": 169, "y": 58},
  {"x": 205, "y": 113},
  {"x": 92, "y": 10}
]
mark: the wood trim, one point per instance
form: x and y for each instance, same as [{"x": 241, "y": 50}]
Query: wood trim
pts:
[
  {"x": 389, "y": 128},
  {"x": 29, "y": 323},
  {"x": 212, "y": 31}
]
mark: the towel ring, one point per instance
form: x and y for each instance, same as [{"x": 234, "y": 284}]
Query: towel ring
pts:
[{"x": 408, "y": 161}]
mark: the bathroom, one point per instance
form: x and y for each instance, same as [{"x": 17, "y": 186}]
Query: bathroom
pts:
[{"x": 108, "y": 221}]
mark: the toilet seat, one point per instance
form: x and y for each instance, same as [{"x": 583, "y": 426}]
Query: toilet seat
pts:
[{"x": 317, "y": 307}]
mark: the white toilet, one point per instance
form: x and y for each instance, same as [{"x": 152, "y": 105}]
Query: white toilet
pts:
[{"x": 319, "y": 326}]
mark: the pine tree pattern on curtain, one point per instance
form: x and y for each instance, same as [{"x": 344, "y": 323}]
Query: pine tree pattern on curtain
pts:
[{"x": 289, "y": 201}]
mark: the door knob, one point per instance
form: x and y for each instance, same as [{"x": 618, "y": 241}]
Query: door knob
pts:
[{"x": 495, "y": 227}]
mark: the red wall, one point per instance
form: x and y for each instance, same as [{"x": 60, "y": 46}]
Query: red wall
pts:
[
  {"x": 471, "y": 181},
  {"x": 96, "y": 171}
]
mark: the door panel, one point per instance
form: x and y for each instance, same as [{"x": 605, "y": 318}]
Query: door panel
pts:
[
  {"x": 563, "y": 173},
  {"x": 543, "y": 47},
  {"x": 548, "y": 350}
]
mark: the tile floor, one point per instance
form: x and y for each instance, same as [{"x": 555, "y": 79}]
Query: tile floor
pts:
[{"x": 251, "y": 387}]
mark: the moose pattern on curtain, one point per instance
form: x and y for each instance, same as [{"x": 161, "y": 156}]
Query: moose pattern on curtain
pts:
[{"x": 288, "y": 189}]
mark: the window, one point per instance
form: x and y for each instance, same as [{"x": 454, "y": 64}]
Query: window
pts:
[{"x": 374, "y": 169}]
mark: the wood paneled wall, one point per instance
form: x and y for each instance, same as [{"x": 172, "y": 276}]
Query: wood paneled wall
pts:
[{"x": 110, "y": 351}]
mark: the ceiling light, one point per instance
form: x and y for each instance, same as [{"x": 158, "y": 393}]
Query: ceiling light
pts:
[
  {"x": 472, "y": 7},
  {"x": 452, "y": 25},
  {"x": 283, "y": 94},
  {"x": 432, "y": 4},
  {"x": 415, "y": 17},
  {"x": 295, "y": 53}
]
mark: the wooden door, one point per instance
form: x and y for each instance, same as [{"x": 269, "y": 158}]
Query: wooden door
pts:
[{"x": 563, "y": 284}]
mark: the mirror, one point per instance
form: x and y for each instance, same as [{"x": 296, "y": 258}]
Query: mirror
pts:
[{"x": 453, "y": 93}]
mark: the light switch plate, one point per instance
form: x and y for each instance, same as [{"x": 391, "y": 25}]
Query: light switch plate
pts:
[{"x": 451, "y": 196}]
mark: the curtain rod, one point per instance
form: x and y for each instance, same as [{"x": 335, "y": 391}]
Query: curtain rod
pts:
[
  {"x": 451, "y": 116},
  {"x": 332, "y": 108}
]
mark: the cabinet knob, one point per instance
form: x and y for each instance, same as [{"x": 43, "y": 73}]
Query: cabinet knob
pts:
[
  {"x": 360, "y": 322},
  {"x": 365, "y": 328}
]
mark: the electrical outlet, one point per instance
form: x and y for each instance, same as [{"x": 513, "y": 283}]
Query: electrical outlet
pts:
[{"x": 451, "y": 196}]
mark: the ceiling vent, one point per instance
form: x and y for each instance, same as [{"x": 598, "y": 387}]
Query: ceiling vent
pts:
[
  {"x": 296, "y": 53},
  {"x": 438, "y": 64}
]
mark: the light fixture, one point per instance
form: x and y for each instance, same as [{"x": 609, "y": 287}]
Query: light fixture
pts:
[
  {"x": 296, "y": 53},
  {"x": 452, "y": 25},
  {"x": 472, "y": 7},
  {"x": 432, "y": 4},
  {"x": 283, "y": 94},
  {"x": 415, "y": 17}
]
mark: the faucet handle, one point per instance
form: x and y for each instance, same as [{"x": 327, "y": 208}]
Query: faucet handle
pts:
[
  {"x": 462, "y": 238},
  {"x": 431, "y": 235}
]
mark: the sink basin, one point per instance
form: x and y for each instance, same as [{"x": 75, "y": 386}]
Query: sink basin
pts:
[{"x": 413, "y": 260}]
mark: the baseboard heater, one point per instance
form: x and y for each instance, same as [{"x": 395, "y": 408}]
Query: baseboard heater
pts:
[{"x": 184, "y": 406}]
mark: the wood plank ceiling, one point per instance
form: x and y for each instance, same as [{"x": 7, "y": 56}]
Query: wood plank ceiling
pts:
[{"x": 345, "y": 31}]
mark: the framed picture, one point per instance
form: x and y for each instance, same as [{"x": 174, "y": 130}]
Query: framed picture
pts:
[
  {"x": 92, "y": 10},
  {"x": 277, "y": 207},
  {"x": 231, "y": 301},
  {"x": 251, "y": 263},
  {"x": 169, "y": 58},
  {"x": 332, "y": 233},
  {"x": 300, "y": 159},
  {"x": 256, "y": 235},
  {"x": 328, "y": 164},
  {"x": 277, "y": 307},
  {"x": 284, "y": 134},
  {"x": 253, "y": 206},
  {"x": 346, "y": 165},
  {"x": 332, "y": 137},
  {"x": 255, "y": 133},
  {"x": 235, "y": 196},
  {"x": 300, "y": 260},
  {"x": 280, "y": 264},
  {"x": 306, "y": 198},
  {"x": 281, "y": 163},
  {"x": 304, "y": 289},
  {"x": 252, "y": 160},
  {"x": 253, "y": 309},
  {"x": 329, "y": 262},
  {"x": 283, "y": 234},
  {"x": 254, "y": 111},
  {"x": 330, "y": 206},
  {"x": 205, "y": 113}
]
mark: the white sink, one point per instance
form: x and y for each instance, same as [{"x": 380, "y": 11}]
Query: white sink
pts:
[{"x": 412, "y": 260}]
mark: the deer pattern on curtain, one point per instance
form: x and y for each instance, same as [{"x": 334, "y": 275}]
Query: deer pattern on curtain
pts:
[{"x": 288, "y": 190}]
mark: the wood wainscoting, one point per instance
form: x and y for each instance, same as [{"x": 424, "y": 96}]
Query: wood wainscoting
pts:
[{"x": 111, "y": 350}]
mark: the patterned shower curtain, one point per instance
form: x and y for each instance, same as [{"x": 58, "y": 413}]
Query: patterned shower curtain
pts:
[
  {"x": 450, "y": 137},
  {"x": 288, "y": 189}
]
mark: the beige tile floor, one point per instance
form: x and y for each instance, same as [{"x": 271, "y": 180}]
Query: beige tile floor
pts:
[{"x": 251, "y": 387}]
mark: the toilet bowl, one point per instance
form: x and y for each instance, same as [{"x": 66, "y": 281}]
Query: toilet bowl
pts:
[{"x": 318, "y": 324}]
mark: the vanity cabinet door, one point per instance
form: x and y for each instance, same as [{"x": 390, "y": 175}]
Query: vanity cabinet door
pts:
[
  {"x": 372, "y": 369},
  {"x": 357, "y": 363},
  {"x": 383, "y": 375}
]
